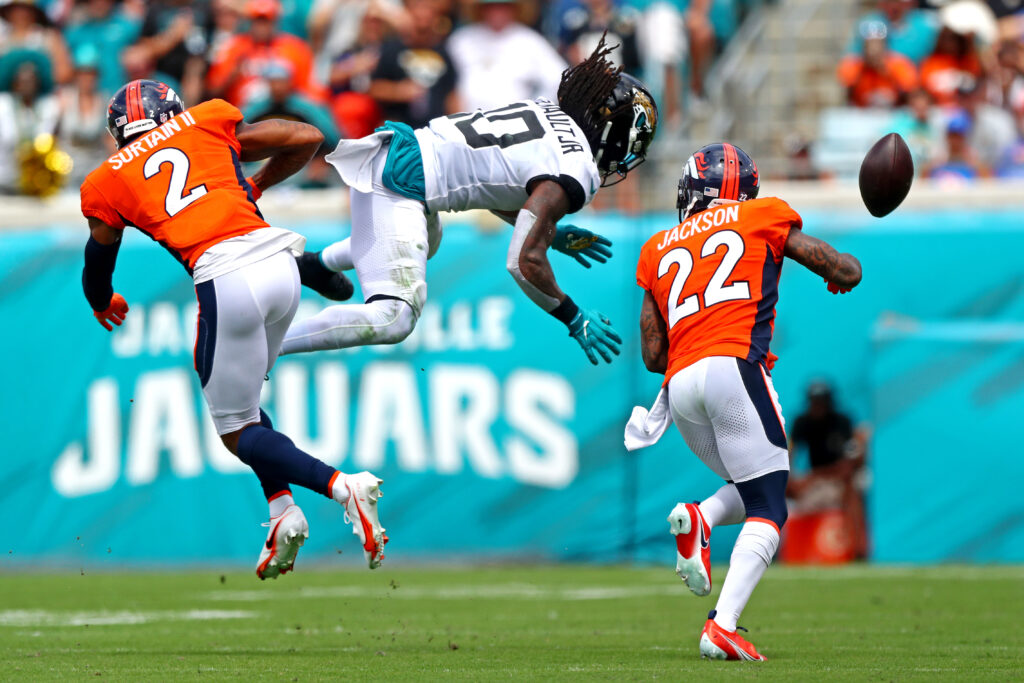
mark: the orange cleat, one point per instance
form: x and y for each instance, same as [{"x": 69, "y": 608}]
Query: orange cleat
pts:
[{"x": 717, "y": 643}]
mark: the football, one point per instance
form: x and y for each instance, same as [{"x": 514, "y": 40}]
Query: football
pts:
[{"x": 886, "y": 174}]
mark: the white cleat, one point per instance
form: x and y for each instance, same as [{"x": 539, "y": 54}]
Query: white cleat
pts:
[
  {"x": 288, "y": 531},
  {"x": 693, "y": 547},
  {"x": 361, "y": 511}
]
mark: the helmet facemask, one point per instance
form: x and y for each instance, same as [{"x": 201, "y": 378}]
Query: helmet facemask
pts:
[{"x": 641, "y": 117}]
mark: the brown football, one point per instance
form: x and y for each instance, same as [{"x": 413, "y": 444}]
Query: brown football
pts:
[{"x": 886, "y": 174}]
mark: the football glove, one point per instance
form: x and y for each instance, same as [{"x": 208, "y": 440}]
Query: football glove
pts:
[
  {"x": 582, "y": 244},
  {"x": 594, "y": 332},
  {"x": 835, "y": 289},
  {"x": 115, "y": 312}
]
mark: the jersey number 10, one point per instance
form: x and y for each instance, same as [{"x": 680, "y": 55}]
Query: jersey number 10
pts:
[
  {"x": 716, "y": 291},
  {"x": 467, "y": 125},
  {"x": 176, "y": 199}
]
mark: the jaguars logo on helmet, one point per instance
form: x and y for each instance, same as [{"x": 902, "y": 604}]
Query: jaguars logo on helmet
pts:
[
  {"x": 716, "y": 171},
  {"x": 141, "y": 106},
  {"x": 631, "y": 120}
]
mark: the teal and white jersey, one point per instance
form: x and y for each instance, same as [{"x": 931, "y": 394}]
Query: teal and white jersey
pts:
[{"x": 487, "y": 159}]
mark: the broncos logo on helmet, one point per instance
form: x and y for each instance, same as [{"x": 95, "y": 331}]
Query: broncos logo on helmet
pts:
[
  {"x": 141, "y": 106},
  {"x": 716, "y": 171}
]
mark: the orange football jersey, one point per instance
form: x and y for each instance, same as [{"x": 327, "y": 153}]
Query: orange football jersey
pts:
[
  {"x": 715, "y": 277},
  {"x": 181, "y": 184}
]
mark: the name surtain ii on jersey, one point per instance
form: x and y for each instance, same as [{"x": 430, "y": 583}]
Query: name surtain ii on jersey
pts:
[{"x": 181, "y": 184}]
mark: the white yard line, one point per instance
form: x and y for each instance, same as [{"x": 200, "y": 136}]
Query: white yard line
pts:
[
  {"x": 42, "y": 617},
  {"x": 511, "y": 591}
]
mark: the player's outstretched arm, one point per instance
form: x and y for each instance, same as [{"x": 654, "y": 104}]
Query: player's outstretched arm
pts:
[
  {"x": 841, "y": 271},
  {"x": 579, "y": 243},
  {"x": 527, "y": 261},
  {"x": 287, "y": 145},
  {"x": 653, "y": 336},
  {"x": 97, "y": 275}
]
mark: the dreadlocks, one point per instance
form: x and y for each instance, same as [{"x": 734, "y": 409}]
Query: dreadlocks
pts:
[{"x": 585, "y": 88}]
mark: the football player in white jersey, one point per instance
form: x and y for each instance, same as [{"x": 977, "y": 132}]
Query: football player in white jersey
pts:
[{"x": 531, "y": 162}]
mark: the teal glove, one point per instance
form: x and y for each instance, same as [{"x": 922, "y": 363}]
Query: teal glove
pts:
[
  {"x": 580, "y": 243},
  {"x": 594, "y": 332}
]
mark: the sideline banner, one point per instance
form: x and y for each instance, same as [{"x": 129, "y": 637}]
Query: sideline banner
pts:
[{"x": 496, "y": 438}]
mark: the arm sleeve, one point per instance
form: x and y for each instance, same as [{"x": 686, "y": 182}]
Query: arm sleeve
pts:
[
  {"x": 98, "y": 273},
  {"x": 95, "y": 205},
  {"x": 524, "y": 224}
]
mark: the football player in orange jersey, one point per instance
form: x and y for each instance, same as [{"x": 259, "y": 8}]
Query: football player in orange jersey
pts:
[
  {"x": 177, "y": 177},
  {"x": 710, "y": 287}
]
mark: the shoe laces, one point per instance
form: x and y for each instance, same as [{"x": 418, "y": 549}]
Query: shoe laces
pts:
[{"x": 740, "y": 628}]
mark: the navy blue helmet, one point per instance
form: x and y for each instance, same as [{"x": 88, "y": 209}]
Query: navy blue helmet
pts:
[
  {"x": 141, "y": 106},
  {"x": 630, "y": 118},
  {"x": 716, "y": 171}
]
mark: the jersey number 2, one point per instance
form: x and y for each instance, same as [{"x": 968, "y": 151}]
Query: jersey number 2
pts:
[
  {"x": 717, "y": 291},
  {"x": 176, "y": 199}
]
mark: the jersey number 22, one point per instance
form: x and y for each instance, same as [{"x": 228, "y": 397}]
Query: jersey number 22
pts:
[
  {"x": 717, "y": 291},
  {"x": 176, "y": 199}
]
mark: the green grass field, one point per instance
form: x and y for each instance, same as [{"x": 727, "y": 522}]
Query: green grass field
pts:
[{"x": 558, "y": 622}]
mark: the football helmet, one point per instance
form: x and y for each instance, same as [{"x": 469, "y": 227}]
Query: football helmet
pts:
[
  {"x": 140, "y": 106},
  {"x": 716, "y": 171},
  {"x": 630, "y": 118}
]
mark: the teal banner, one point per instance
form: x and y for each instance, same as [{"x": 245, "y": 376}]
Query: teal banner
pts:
[{"x": 494, "y": 435}]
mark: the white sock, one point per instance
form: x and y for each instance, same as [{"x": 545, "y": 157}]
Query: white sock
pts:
[
  {"x": 723, "y": 507},
  {"x": 755, "y": 547},
  {"x": 278, "y": 505},
  {"x": 339, "y": 489},
  {"x": 338, "y": 256}
]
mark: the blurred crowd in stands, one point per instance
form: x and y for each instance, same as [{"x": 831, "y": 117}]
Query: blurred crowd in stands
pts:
[
  {"x": 952, "y": 75},
  {"x": 342, "y": 65}
]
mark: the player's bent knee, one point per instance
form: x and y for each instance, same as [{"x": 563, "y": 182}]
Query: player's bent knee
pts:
[
  {"x": 397, "y": 320},
  {"x": 764, "y": 497}
]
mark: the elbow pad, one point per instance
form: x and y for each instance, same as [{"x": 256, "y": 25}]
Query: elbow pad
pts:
[
  {"x": 524, "y": 224},
  {"x": 98, "y": 273}
]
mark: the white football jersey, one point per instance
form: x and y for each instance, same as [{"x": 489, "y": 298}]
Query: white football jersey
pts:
[{"x": 486, "y": 159}]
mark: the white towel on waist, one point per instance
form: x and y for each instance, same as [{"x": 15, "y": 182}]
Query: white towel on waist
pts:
[
  {"x": 645, "y": 427},
  {"x": 353, "y": 159}
]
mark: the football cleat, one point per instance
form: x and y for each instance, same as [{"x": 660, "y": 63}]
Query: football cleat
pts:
[
  {"x": 361, "y": 512},
  {"x": 288, "y": 531},
  {"x": 717, "y": 643},
  {"x": 693, "y": 547},
  {"x": 321, "y": 279}
]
